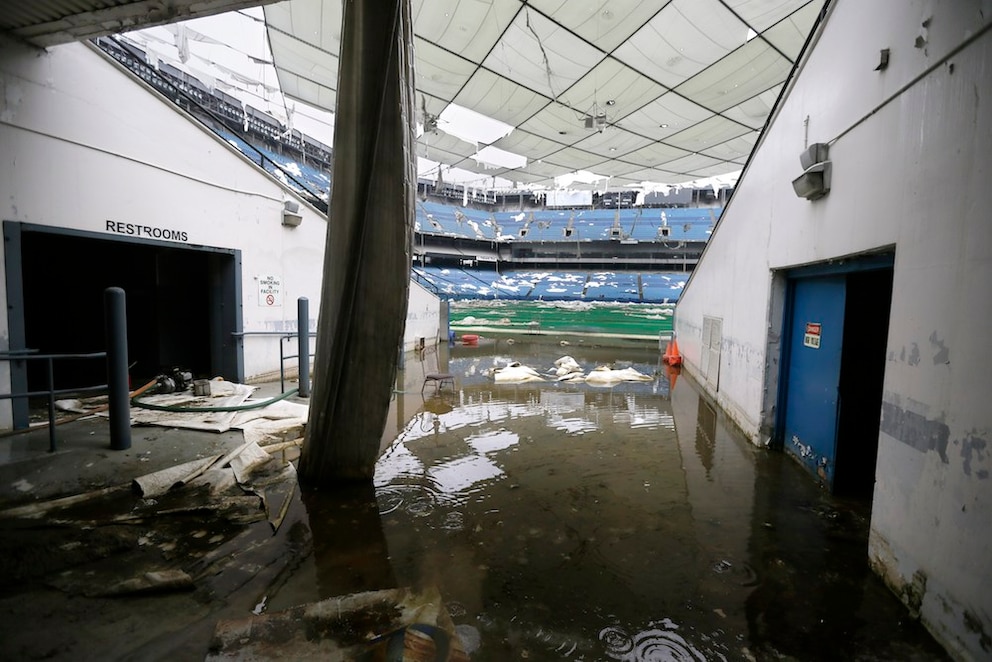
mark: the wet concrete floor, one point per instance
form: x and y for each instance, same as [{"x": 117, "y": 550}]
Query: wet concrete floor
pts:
[
  {"x": 558, "y": 521},
  {"x": 565, "y": 521}
]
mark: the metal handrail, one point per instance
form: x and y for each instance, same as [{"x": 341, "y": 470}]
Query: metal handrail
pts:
[
  {"x": 302, "y": 335},
  {"x": 51, "y": 391},
  {"x": 284, "y": 357}
]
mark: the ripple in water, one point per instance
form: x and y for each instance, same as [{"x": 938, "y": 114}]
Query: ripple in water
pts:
[
  {"x": 658, "y": 644},
  {"x": 417, "y": 500},
  {"x": 742, "y": 573},
  {"x": 453, "y": 521}
]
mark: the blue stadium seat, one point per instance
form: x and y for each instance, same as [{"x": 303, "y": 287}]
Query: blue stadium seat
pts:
[
  {"x": 612, "y": 286},
  {"x": 558, "y": 285},
  {"x": 662, "y": 287}
]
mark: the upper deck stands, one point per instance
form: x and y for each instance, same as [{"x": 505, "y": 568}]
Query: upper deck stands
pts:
[
  {"x": 627, "y": 225},
  {"x": 313, "y": 181}
]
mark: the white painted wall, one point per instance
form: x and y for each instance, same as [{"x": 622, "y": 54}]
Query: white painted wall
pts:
[
  {"x": 912, "y": 154},
  {"x": 423, "y": 318}
]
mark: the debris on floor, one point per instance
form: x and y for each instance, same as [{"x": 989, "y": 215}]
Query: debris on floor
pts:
[
  {"x": 390, "y": 624},
  {"x": 222, "y": 395},
  {"x": 274, "y": 421}
]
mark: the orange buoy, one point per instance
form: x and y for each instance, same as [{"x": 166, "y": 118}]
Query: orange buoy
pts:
[{"x": 470, "y": 339}]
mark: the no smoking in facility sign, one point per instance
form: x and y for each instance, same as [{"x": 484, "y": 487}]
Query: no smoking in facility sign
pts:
[{"x": 269, "y": 291}]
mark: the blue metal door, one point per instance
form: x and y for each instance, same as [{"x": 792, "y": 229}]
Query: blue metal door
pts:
[{"x": 816, "y": 331}]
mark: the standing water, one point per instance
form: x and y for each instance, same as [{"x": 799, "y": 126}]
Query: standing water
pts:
[{"x": 562, "y": 520}]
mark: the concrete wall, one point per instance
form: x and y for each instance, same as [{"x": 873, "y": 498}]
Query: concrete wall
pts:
[
  {"x": 423, "y": 318},
  {"x": 911, "y": 147}
]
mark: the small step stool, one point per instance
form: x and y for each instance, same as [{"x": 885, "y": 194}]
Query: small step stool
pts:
[{"x": 439, "y": 379}]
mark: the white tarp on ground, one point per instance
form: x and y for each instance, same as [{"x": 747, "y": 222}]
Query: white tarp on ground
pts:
[
  {"x": 222, "y": 394},
  {"x": 270, "y": 422}
]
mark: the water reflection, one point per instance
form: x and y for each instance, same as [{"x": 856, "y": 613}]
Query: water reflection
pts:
[{"x": 566, "y": 521}]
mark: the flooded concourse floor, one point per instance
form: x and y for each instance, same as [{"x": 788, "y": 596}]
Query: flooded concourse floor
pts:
[{"x": 569, "y": 521}]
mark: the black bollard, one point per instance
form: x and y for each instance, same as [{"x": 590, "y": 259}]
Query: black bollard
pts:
[
  {"x": 303, "y": 337},
  {"x": 115, "y": 326}
]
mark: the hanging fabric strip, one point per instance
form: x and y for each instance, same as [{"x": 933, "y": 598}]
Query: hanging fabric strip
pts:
[{"x": 367, "y": 255}]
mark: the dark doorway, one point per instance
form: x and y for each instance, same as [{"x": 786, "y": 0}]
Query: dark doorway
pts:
[
  {"x": 181, "y": 305},
  {"x": 833, "y": 368},
  {"x": 862, "y": 372}
]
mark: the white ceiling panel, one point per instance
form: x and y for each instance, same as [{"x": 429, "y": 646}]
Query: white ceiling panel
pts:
[
  {"x": 438, "y": 73},
  {"x": 500, "y": 98},
  {"x": 557, "y": 122},
  {"x": 698, "y": 165},
  {"x": 576, "y": 159},
  {"x": 522, "y": 142},
  {"x": 616, "y": 168},
  {"x": 655, "y": 155},
  {"x": 305, "y": 60},
  {"x": 541, "y": 55},
  {"x": 651, "y": 175},
  {"x": 612, "y": 142},
  {"x": 683, "y": 39},
  {"x": 606, "y": 23},
  {"x": 706, "y": 134},
  {"x": 754, "y": 111},
  {"x": 665, "y": 116},
  {"x": 613, "y": 88},
  {"x": 790, "y": 34},
  {"x": 469, "y": 28},
  {"x": 313, "y": 22},
  {"x": 736, "y": 150},
  {"x": 762, "y": 14},
  {"x": 745, "y": 73}
]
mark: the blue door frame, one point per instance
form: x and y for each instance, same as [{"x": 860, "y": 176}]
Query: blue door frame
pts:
[{"x": 813, "y": 343}]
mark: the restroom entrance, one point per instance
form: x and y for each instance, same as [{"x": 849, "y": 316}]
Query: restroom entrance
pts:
[
  {"x": 183, "y": 306},
  {"x": 836, "y": 327}
]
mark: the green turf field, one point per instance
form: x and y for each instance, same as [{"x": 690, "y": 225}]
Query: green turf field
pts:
[{"x": 631, "y": 320}]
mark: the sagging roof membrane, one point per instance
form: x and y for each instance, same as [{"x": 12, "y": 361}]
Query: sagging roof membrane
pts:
[{"x": 633, "y": 91}]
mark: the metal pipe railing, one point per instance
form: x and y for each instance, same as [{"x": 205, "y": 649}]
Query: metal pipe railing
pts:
[{"x": 50, "y": 391}]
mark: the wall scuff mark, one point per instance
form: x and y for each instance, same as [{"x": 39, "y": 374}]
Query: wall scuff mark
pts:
[
  {"x": 914, "y": 354},
  {"x": 974, "y": 449},
  {"x": 942, "y": 355},
  {"x": 915, "y": 430}
]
